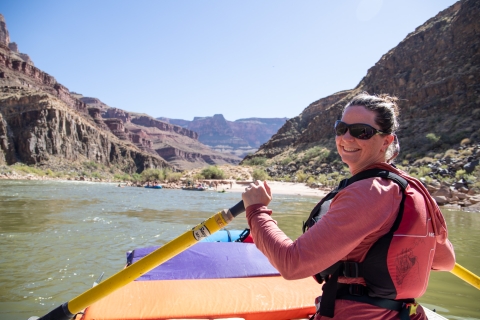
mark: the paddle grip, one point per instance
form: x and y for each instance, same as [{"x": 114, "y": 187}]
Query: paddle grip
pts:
[
  {"x": 60, "y": 313},
  {"x": 237, "y": 209}
]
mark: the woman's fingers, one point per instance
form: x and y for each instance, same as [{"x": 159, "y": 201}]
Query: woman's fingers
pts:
[{"x": 267, "y": 188}]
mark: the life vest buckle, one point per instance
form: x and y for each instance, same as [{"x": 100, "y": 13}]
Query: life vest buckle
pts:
[
  {"x": 412, "y": 308},
  {"x": 357, "y": 290},
  {"x": 350, "y": 269}
]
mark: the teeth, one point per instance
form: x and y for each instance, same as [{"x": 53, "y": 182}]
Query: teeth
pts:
[{"x": 350, "y": 150}]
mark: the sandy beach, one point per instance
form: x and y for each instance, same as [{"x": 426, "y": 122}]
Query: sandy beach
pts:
[{"x": 278, "y": 187}]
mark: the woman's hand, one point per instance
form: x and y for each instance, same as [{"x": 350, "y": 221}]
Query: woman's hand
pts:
[{"x": 257, "y": 193}]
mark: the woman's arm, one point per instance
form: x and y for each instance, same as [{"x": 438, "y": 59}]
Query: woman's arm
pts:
[{"x": 358, "y": 216}]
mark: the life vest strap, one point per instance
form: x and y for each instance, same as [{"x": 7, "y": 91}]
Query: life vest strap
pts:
[{"x": 359, "y": 293}]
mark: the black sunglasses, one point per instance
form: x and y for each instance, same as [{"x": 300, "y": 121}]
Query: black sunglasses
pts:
[{"x": 357, "y": 130}]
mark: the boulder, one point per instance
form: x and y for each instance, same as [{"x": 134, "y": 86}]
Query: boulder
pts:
[
  {"x": 441, "y": 200},
  {"x": 443, "y": 192},
  {"x": 470, "y": 167}
]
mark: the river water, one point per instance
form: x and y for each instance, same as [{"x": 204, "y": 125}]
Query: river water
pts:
[{"x": 56, "y": 238}]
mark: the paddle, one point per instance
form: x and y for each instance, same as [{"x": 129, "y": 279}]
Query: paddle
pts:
[
  {"x": 213, "y": 224},
  {"x": 466, "y": 275}
]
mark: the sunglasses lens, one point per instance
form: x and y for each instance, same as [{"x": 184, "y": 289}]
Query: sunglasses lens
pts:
[
  {"x": 361, "y": 131},
  {"x": 340, "y": 128}
]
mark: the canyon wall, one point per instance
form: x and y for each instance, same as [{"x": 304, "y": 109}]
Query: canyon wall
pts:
[
  {"x": 434, "y": 72},
  {"x": 143, "y": 135},
  {"x": 39, "y": 129}
]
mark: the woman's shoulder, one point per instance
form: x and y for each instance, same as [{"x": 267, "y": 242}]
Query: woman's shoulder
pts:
[{"x": 374, "y": 184}]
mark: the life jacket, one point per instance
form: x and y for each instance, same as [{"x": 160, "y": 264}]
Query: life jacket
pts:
[{"x": 396, "y": 267}]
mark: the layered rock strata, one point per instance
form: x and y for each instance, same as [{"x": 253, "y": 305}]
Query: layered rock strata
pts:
[{"x": 37, "y": 128}]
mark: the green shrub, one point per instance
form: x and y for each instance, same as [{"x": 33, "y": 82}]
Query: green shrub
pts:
[
  {"x": 460, "y": 174},
  {"x": 121, "y": 176},
  {"x": 153, "y": 175},
  {"x": 213, "y": 172},
  {"x": 311, "y": 153},
  {"x": 136, "y": 177},
  {"x": 257, "y": 161},
  {"x": 301, "y": 176},
  {"x": 286, "y": 161},
  {"x": 311, "y": 180},
  {"x": 432, "y": 139},
  {"x": 172, "y": 176},
  {"x": 260, "y": 174},
  {"x": 424, "y": 171},
  {"x": 96, "y": 175},
  {"x": 92, "y": 165}
]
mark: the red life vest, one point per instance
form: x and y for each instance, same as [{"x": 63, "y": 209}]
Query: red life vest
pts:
[{"x": 398, "y": 264}]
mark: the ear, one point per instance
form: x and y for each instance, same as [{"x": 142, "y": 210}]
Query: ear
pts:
[{"x": 388, "y": 141}]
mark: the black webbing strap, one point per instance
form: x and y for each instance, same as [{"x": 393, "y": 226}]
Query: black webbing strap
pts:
[
  {"x": 327, "y": 305},
  {"x": 359, "y": 293}
]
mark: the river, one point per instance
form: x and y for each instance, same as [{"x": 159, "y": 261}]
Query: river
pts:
[{"x": 57, "y": 237}]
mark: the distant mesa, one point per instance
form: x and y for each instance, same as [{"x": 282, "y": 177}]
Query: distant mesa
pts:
[{"x": 240, "y": 137}]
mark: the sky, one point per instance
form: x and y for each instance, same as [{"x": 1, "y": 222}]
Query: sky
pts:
[{"x": 186, "y": 58}]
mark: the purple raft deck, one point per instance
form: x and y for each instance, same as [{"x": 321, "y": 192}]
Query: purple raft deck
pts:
[{"x": 209, "y": 260}]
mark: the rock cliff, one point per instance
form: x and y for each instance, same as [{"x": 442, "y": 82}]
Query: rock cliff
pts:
[
  {"x": 434, "y": 71},
  {"x": 39, "y": 129}
]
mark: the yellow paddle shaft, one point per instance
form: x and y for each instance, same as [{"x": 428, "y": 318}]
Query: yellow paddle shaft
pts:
[
  {"x": 149, "y": 262},
  {"x": 466, "y": 275}
]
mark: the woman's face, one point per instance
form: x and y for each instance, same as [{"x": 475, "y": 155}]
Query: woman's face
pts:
[{"x": 356, "y": 153}]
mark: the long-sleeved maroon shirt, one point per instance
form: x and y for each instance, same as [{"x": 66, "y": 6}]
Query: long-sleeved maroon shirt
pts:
[{"x": 348, "y": 230}]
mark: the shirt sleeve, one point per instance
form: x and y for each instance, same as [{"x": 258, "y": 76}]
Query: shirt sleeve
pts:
[
  {"x": 444, "y": 258},
  {"x": 358, "y": 216}
]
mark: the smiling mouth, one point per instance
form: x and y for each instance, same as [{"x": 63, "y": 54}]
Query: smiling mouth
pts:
[{"x": 350, "y": 149}]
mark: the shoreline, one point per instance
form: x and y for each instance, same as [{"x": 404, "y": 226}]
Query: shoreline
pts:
[{"x": 277, "y": 187}]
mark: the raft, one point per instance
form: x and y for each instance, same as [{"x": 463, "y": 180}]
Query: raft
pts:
[
  {"x": 194, "y": 188},
  {"x": 217, "y": 278},
  {"x": 154, "y": 187},
  {"x": 210, "y": 280}
]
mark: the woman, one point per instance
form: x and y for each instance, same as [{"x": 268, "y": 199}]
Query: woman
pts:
[{"x": 385, "y": 225}]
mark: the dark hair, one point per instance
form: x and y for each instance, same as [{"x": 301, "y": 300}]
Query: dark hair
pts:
[{"x": 387, "y": 112}]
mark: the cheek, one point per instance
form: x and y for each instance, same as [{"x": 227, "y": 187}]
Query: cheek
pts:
[{"x": 337, "y": 142}]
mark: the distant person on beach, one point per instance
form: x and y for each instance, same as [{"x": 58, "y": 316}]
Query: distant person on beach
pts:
[{"x": 372, "y": 241}]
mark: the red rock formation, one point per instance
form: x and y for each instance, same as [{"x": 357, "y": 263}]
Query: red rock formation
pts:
[
  {"x": 37, "y": 128},
  {"x": 238, "y": 137},
  {"x": 114, "y": 113},
  {"x": 147, "y": 121}
]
